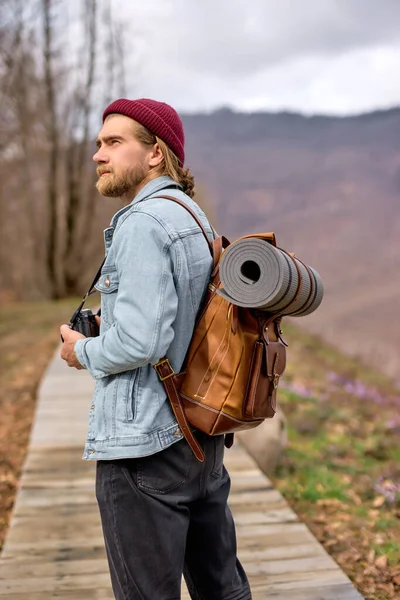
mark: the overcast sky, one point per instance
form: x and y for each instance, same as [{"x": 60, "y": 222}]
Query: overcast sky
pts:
[{"x": 313, "y": 56}]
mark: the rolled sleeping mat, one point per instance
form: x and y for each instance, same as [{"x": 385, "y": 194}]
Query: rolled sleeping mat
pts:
[{"x": 256, "y": 274}]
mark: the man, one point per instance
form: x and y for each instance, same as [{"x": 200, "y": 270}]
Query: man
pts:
[{"x": 163, "y": 512}]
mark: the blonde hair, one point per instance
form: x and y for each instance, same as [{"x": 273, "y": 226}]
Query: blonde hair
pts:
[{"x": 170, "y": 164}]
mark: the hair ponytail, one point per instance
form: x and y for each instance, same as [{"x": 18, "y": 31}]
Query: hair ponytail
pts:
[{"x": 170, "y": 164}]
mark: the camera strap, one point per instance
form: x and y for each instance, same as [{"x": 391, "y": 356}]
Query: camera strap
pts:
[
  {"x": 95, "y": 280},
  {"x": 88, "y": 293}
]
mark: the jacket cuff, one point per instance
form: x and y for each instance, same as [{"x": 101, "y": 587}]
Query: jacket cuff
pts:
[{"x": 80, "y": 353}]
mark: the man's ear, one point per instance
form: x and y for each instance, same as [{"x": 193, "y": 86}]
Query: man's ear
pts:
[{"x": 156, "y": 156}]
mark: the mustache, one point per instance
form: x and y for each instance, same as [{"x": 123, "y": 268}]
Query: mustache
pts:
[{"x": 101, "y": 170}]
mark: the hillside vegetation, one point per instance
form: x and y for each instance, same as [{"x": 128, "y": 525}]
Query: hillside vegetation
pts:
[{"x": 340, "y": 471}]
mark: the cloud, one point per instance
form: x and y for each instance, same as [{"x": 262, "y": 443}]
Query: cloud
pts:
[{"x": 332, "y": 56}]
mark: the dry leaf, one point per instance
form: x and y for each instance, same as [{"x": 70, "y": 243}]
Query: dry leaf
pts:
[
  {"x": 356, "y": 499},
  {"x": 381, "y": 562},
  {"x": 371, "y": 570},
  {"x": 344, "y": 516},
  {"x": 379, "y": 501},
  {"x": 386, "y": 587},
  {"x": 371, "y": 556},
  {"x": 379, "y": 539},
  {"x": 329, "y": 502},
  {"x": 320, "y": 519}
]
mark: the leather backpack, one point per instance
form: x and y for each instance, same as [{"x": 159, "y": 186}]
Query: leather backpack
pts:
[{"x": 231, "y": 371}]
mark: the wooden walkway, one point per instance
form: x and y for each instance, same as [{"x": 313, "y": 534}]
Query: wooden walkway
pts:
[{"x": 54, "y": 548}]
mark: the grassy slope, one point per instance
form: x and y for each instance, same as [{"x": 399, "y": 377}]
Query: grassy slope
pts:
[{"x": 341, "y": 470}]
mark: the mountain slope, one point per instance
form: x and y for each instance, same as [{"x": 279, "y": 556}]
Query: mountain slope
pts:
[{"x": 330, "y": 189}]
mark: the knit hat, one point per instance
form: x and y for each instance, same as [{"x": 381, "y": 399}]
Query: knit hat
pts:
[{"x": 158, "y": 117}]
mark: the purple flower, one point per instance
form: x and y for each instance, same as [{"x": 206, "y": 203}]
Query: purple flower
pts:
[
  {"x": 297, "y": 389},
  {"x": 393, "y": 423},
  {"x": 388, "y": 489},
  {"x": 356, "y": 388}
]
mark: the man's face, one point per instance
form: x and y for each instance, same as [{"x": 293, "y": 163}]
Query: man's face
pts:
[{"x": 122, "y": 161}]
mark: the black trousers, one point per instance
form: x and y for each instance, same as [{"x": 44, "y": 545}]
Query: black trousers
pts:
[{"x": 167, "y": 514}]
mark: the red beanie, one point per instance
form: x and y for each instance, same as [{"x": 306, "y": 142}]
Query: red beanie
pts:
[{"x": 159, "y": 118}]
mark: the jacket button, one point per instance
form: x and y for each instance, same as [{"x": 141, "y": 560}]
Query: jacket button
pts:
[
  {"x": 92, "y": 407},
  {"x": 90, "y": 451},
  {"x": 177, "y": 432},
  {"x": 107, "y": 281}
]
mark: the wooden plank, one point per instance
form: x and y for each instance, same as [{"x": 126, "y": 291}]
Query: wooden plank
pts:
[
  {"x": 297, "y": 581},
  {"x": 323, "y": 592},
  {"x": 28, "y": 585},
  {"x": 52, "y": 550},
  {"x": 280, "y": 553},
  {"x": 290, "y": 567},
  {"x": 243, "y": 499},
  {"x": 55, "y": 568},
  {"x": 283, "y": 515},
  {"x": 72, "y": 594}
]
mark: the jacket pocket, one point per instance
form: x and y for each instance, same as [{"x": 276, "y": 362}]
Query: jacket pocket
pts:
[
  {"x": 107, "y": 285},
  {"x": 132, "y": 395}
]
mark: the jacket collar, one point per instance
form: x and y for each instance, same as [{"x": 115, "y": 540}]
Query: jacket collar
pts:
[{"x": 151, "y": 188}]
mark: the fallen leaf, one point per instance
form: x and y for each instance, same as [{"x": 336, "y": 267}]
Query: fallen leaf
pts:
[
  {"x": 344, "y": 516},
  {"x": 371, "y": 556},
  {"x": 379, "y": 539},
  {"x": 379, "y": 501},
  {"x": 329, "y": 502},
  {"x": 386, "y": 587},
  {"x": 356, "y": 499},
  {"x": 381, "y": 562}
]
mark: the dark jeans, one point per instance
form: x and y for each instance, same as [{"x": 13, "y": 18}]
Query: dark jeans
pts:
[{"x": 166, "y": 514}]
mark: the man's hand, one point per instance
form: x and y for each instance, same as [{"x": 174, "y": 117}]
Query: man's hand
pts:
[{"x": 67, "y": 350}]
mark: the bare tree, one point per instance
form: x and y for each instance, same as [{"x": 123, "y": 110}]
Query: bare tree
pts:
[
  {"x": 48, "y": 95},
  {"x": 53, "y": 154},
  {"x": 20, "y": 93},
  {"x": 77, "y": 214}
]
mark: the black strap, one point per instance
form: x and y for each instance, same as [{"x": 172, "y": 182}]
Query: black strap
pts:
[
  {"x": 95, "y": 280},
  {"x": 85, "y": 297}
]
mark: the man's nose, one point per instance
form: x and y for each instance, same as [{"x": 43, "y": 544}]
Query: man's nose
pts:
[{"x": 99, "y": 157}]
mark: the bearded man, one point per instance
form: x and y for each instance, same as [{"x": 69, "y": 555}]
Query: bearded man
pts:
[{"x": 163, "y": 512}]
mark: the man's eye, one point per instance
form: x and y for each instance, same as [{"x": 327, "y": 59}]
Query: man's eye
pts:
[{"x": 113, "y": 142}]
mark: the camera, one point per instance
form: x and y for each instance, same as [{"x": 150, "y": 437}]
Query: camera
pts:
[{"x": 84, "y": 322}]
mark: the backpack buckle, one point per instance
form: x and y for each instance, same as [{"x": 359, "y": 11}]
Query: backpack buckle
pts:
[{"x": 163, "y": 369}]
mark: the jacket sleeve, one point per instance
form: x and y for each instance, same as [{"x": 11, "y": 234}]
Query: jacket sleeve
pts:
[{"x": 146, "y": 302}]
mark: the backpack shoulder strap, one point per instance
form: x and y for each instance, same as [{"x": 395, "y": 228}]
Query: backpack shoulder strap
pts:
[{"x": 195, "y": 217}]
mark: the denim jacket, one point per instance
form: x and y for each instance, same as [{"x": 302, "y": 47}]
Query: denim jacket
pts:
[{"x": 154, "y": 277}]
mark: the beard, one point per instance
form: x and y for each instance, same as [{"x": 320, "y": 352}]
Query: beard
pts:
[{"x": 115, "y": 186}]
